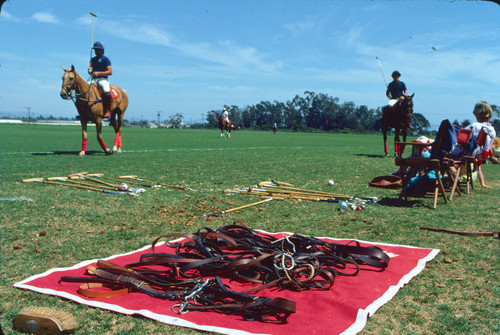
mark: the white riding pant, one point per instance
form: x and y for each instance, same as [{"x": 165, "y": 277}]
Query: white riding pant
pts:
[
  {"x": 392, "y": 102},
  {"x": 102, "y": 82}
]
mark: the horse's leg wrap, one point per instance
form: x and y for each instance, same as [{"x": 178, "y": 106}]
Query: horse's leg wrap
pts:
[
  {"x": 118, "y": 140},
  {"x": 396, "y": 149},
  {"x": 103, "y": 145},
  {"x": 84, "y": 144},
  {"x": 385, "y": 147}
]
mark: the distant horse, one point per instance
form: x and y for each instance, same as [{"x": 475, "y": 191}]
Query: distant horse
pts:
[
  {"x": 88, "y": 102},
  {"x": 397, "y": 117},
  {"x": 223, "y": 125}
]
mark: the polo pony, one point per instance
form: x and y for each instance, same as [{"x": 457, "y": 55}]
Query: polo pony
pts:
[
  {"x": 88, "y": 102},
  {"x": 397, "y": 117},
  {"x": 223, "y": 125}
]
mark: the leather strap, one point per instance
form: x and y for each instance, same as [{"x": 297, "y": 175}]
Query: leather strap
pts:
[
  {"x": 94, "y": 290},
  {"x": 463, "y": 233}
]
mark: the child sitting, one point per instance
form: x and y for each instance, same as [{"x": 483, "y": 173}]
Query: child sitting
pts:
[{"x": 484, "y": 133}]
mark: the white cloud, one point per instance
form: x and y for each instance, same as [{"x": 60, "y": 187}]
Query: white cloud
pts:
[
  {"x": 45, "y": 17},
  {"x": 8, "y": 17},
  {"x": 298, "y": 28},
  {"x": 227, "y": 53}
]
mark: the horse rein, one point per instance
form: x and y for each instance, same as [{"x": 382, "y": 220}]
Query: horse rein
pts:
[
  {"x": 70, "y": 90},
  {"x": 192, "y": 275}
]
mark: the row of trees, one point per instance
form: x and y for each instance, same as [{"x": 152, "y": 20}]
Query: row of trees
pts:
[{"x": 313, "y": 111}]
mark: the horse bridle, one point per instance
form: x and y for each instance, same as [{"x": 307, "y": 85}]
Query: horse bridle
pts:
[
  {"x": 69, "y": 90},
  {"x": 192, "y": 275},
  {"x": 75, "y": 96}
]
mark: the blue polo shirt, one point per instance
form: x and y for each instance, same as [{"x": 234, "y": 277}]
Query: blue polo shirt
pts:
[
  {"x": 396, "y": 89},
  {"x": 100, "y": 63}
]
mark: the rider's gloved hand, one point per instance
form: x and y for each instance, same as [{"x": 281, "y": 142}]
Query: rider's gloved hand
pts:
[{"x": 91, "y": 70}]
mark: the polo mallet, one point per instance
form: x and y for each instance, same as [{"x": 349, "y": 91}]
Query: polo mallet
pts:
[
  {"x": 92, "y": 35},
  {"x": 100, "y": 175},
  {"x": 88, "y": 176},
  {"x": 238, "y": 208},
  {"x": 383, "y": 75},
  {"x": 41, "y": 180},
  {"x": 103, "y": 184},
  {"x": 72, "y": 181},
  {"x": 158, "y": 183},
  {"x": 280, "y": 183},
  {"x": 289, "y": 189}
]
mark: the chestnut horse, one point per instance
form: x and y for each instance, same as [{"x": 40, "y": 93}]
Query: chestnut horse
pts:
[
  {"x": 224, "y": 125},
  {"x": 397, "y": 117},
  {"x": 88, "y": 102}
]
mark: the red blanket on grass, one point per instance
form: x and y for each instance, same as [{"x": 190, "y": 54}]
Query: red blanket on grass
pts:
[{"x": 345, "y": 308}]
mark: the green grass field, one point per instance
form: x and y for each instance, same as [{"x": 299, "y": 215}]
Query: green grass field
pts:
[{"x": 458, "y": 292}]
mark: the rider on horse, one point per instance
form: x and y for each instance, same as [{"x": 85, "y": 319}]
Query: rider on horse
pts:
[
  {"x": 100, "y": 69},
  {"x": 225, "y": 115},
  {"x": 396, "y": 90}
]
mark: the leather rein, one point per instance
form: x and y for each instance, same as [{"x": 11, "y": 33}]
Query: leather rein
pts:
[
  {"x": 71, "y": 90},
  {"x": 192, "y": 275}
]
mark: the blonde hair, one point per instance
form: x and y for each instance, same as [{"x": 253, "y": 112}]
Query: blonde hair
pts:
[{"x": 483, "y": 109}]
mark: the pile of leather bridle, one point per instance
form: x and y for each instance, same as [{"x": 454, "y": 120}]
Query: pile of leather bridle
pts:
[{"x": 192, "y": 275}]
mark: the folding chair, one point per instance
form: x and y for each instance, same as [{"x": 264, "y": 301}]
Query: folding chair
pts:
[
  {"x": 460, "y": 159},
  {"x": 411, "y": 166}
]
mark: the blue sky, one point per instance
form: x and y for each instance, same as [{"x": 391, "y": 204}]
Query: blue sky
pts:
[{"x": 190, "y": 57}]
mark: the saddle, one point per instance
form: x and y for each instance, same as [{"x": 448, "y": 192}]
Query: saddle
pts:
[
  {"x": 112, "y": 89},
  {"x": 192, "y": 275}
]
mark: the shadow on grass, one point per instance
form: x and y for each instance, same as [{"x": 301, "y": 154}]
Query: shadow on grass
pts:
[
  {"x": 75, "y": 153},
  {"x": 393, "y": 202}
]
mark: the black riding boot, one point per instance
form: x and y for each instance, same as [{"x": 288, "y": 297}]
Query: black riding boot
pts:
[{"x": 106, "y": 104}]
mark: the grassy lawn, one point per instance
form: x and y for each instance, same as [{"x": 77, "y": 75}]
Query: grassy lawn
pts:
[{"x": 458, "y": 292}]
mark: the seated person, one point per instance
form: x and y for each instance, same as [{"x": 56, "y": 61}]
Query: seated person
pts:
[
  {"x": 495, "y": 159},
  {"x": 422, "y": 151},
  {"x": 419, "y": 151},
  {"x": 484, "y": 133}
]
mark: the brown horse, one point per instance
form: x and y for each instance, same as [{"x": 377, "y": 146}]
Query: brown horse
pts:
[
  {"x": 397, "y": 117},
  {"x": 223, "y": 125},
  {"x": 88, "y": 102}
]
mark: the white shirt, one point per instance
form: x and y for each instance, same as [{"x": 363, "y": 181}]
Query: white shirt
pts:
[{"x": 476, "y": 128}]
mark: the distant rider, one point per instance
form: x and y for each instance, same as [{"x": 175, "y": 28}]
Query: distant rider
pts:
[
  {"x": 225, "y": 115},
  {"x": 100, "y": 69},
  {"x": 396, "y": 89}
]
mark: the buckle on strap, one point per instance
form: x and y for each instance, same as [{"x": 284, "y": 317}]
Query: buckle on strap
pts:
[{"x": 181, "y": 307}]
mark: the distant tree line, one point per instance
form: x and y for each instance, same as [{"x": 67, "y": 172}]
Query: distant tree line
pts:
[{"x": 310, "y": 111}]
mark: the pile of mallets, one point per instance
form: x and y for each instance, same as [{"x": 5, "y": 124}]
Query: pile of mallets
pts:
[
  {"x": 281, "y": 191},
  {"x": 275, "y": 190},
  {"x": 97, "y": 182}
]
